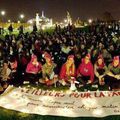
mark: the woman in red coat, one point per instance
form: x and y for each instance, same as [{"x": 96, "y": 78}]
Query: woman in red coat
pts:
[
  {"x": 67, "y": 73},
  {"x": 85, "y": 72},
  {"x": 34, "y": 69}
]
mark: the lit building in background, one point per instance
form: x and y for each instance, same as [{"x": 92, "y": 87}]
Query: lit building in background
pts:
[
  {"x": 67, "y": 20},
  {"x": 42, "y": 22},
  {"x": 79, "y": 23}
]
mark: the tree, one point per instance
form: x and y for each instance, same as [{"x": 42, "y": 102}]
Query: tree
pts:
[{"x": 107, "y": 16}]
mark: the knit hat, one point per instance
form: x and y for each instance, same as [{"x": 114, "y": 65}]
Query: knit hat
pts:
[
  {"x": 101, "y": 57},
  {"x": 116, "y": 58},
  {"x": 88, "y": 55},
  {"x": 71, "y": 56},
  {"x": 33, "y": 57},
  {"x": 47, "y": 55}
]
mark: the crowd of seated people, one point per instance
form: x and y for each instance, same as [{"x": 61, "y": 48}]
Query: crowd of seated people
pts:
[{"x": 65, "y": 56}]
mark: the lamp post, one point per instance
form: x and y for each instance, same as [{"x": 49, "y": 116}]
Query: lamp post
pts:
[
  {"x": 2, "y": 19},
  {"x": 90, "y": 21},
  {"x": 2, "y": 14},
  {"x": 9, "y": 21},
  {"x": 22, "y": 16}
]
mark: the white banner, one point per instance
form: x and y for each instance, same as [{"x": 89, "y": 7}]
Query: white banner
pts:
[{"x": 69, "y": 104}]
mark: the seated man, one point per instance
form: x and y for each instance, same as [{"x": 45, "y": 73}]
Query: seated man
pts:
[
  {"x": 48, "y": 71},
  {"x": 68, "y": 71},
  {"x": 100, "y": 70},
  {"x": 113, "y": 74},
  {"x": 34, "y": 69},
  {"x": 85, "y": 72},
  {"x": 4, "y": 76}
]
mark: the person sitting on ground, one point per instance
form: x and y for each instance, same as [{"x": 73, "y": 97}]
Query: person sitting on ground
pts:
[
  {"x": 85, "y": 71},
  {"x": 113, "y": 74},
  {"x": 100, "y": 69},
  {"x": 49, "y": 75},
  {"x": 68, "y": 71},
  {"x": 34, "y": 69},
  {"x": 4, "y": 76},
  {"x": 13, "y": 66}
]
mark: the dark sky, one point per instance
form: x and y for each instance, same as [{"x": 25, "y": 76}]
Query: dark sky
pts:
[{"x": 57, "y": 8}]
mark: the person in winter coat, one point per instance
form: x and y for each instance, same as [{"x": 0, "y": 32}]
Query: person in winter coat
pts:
[
  {"x": 100, "y": 70},
  {"x": 34, "y": 69},
  {"x": 13, "y": 66},
  {"x": 113, "y": 74},
  {"x": 85, "y": 71},
  {"x": 49, "y": 75},
  {"x": 68, "y": 71},
  {"x": 4, "y": 76}
]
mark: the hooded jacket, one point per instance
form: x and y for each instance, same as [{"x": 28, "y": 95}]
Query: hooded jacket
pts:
[
  {"x": 63, "y": 72},
  {"x": 31, "y": 68},
  {"x": 86, "y": 70}
]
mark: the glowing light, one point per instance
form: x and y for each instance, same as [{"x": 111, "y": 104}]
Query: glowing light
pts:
[
  {"x": 43, "y": 28},
  {"x": 65, "y": 20},
  {"x": 30, "y": 21},
  {"x": 3, "y": 13},
  {"x": 90, "y": 20},
  {"x": 9, "y": 21},
  {"x": 22, "y": 16}
]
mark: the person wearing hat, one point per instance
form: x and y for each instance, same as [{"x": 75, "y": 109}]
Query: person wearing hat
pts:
[
  {"x": 113, "y": 74},
  {"x": 68, "y": 71},
  {"x": 34, "y": 69},
  {"x": 49, "y": 75},
  {"x": 85, "y": 71},
  {"x": 100, "y": 69}
]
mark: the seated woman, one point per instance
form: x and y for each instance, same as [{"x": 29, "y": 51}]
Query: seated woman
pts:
[
  {"x": 85, "y": 71},
  {"x": 68, "y": 71},
  {"x": 34, "y": 69},
  {"x": 4, "y": 76},
  {"x": 100, "y": 70},
  {"x": 13, "y": 67},
  {"x": 113, "y": 74},
  {"x": 49, "y": 76}
]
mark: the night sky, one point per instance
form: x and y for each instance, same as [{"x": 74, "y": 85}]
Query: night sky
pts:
[{"x": 56, "y": 9}]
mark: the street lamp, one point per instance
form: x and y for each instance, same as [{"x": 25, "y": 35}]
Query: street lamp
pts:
[
  {"x": 9, "y": 21},
  {"x": 22, "y": 16},
  {"x": 90, "y": 21},
  {"x": 3, "y": 13},
  {"x": 18, "y": 21}
]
